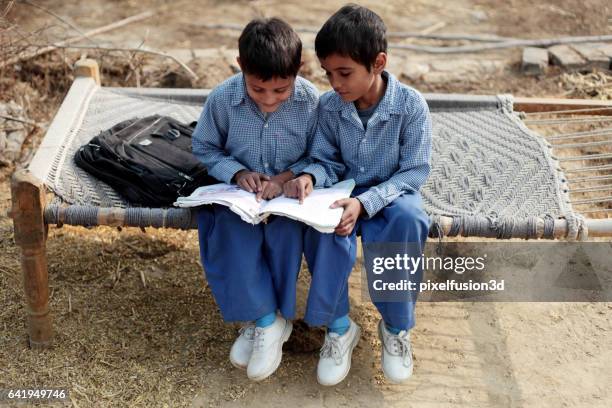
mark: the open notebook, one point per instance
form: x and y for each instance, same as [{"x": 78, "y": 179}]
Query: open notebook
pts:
[{"x": 314, "y": 211}]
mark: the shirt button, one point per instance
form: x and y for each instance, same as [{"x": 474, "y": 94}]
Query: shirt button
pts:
[
  {"x": 361, "y": 169},
  {"x": 266, "y": 125},
  {"x": 364, "y": 139},
  {"x": 266, "y": 165}
]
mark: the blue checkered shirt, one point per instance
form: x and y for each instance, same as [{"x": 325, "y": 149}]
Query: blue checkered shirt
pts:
[
  {"x": 391, "y": 157},
  {"x": 232, "y": 134}
]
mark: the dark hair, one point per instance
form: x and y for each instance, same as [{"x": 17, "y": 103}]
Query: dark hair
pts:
[
  {"x": 270, "y": 48},
  {"x": 355, "y": 32}
]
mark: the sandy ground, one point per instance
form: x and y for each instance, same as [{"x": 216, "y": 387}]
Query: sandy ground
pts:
[{"x": 120, "y": 342}]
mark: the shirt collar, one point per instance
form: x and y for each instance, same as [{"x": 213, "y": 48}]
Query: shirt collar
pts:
[{"x": 240, "y": 93}]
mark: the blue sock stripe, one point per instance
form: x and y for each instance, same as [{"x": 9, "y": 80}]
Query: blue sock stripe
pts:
[
  {"x": 340, "y": 325},
  {"x": 393, "y": 330},
  {"x": 266, "y": 320}
]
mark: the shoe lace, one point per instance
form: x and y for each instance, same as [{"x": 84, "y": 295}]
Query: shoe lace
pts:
[
  {"x": 247, "y": 331},
  {"x": 331, "y": 348},
  {"x": 258, "y": 338},
  {"x": 400, "y": 344}
]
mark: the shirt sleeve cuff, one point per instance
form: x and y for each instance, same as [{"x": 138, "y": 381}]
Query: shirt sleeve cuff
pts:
[
  {"x": 372, "y": 202},
  {"x": 319, "y": 174},
  {"x": 299, "y": 166},
  {"x": 225, "y": 170}
]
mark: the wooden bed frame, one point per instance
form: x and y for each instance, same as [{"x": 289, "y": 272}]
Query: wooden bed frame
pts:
[{"x": 30, "y": 228}]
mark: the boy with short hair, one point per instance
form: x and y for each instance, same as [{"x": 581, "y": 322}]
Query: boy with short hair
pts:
[
  {"x": 377, "y": 131},
  {"x": 254, "y": 131}
]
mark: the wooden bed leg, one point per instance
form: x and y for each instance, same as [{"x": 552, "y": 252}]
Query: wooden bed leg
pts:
[{"x": 28, "y": 196}]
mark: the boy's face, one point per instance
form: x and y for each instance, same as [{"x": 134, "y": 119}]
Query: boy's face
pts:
[
  {"x": 270, "y": 94},
  {"x": 350, "y": 79}
]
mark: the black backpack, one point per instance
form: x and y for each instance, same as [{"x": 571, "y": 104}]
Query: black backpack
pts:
[{"x": 148, "y": 160}]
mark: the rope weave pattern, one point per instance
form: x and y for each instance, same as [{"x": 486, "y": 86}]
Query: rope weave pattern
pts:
[{"x": 492, "y": 175}]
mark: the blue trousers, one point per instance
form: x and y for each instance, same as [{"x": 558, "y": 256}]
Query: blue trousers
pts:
[
  {"x": 252, "y": 270},
  {"x": 331, "y": 258}
]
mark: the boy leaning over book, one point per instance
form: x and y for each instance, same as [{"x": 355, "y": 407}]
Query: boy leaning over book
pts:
[
  {"x": 377, "y": 131},
  {"x": 254, "y": 131}
]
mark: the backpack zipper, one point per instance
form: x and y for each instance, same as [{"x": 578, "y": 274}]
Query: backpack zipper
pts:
[{"x": 142, "y": 130}]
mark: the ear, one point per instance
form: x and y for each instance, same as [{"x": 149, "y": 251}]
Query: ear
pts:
[
  {"x": 380, "y": 63},
  {"x": 239, "y": 64}
]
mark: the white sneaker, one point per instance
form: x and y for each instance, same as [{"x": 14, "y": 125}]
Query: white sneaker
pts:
[
  {"x": 268, "y": 348},
  {"x": 396, "y": 354},
  {"x": 335, "y": 359},
  {"x": 243, "y": 346}
]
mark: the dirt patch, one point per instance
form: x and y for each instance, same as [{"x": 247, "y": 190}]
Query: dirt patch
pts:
[{"x": 528, "y": 19}]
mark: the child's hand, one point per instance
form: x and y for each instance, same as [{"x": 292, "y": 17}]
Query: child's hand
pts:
[
  {"x": 299, "y": 187},
  {"x": 251, "y": 181},
  {"x": 270, "y": 189},
  {"x": 352, "y": 210}
]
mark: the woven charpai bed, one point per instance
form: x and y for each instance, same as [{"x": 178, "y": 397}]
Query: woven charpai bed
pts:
[{"x": 491, "y": 177}]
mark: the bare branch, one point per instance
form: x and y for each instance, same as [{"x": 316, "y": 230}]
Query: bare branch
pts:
[
  {"x": 135, "y": 50},
  {"x": 7, "y": 8},
  {"x": 27, "y": 122},
  {"x": 62, "y": 44}
]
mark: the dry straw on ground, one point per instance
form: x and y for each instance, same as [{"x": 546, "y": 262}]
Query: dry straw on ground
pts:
[{"x": 595, "y": 85}]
